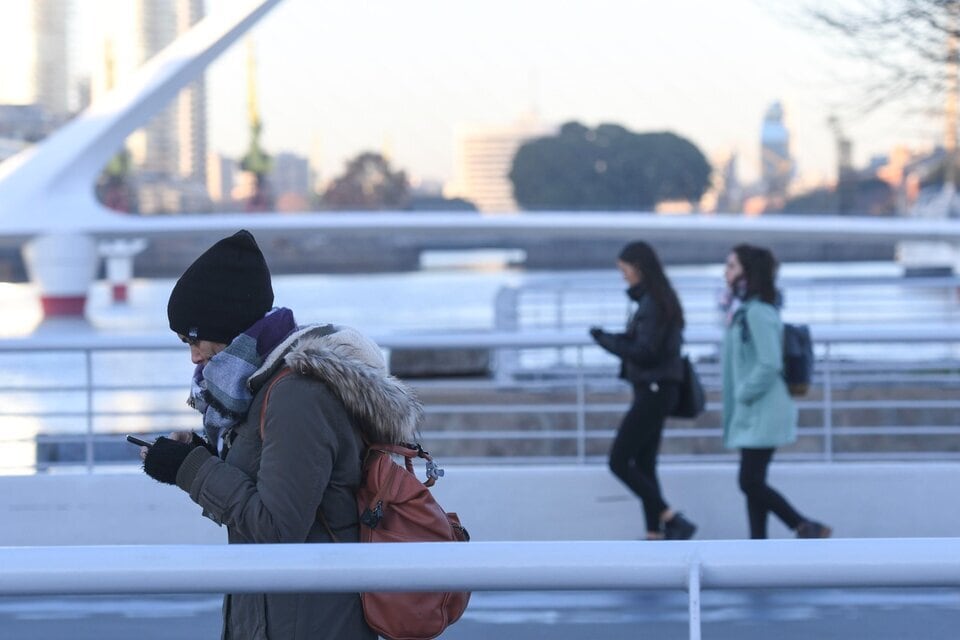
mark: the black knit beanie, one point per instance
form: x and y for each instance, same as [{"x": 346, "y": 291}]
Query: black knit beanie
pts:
[{"x": 223, "y": 293}]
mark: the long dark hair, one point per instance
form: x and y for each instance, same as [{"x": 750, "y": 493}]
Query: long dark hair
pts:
[
  {"x": 643, "y": 258},
  {"x": 759, "y": 272}
]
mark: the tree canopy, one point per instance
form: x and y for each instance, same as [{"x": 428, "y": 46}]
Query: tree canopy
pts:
[
  {"x": 368, "y": 183},
  {"x": 114, "y": 187},
  {"x": 607, "y": 168},
  {"x": 864, "y": 196}
]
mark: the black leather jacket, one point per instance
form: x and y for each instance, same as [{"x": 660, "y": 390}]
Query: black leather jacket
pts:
[{"x": 648, "y": 350}]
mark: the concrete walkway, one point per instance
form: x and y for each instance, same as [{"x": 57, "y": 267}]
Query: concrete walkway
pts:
[{"x": 859, "y": 500}]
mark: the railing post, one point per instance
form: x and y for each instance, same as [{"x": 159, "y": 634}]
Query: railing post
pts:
[
  {"x": 560, "y": 320},
  {"x": 693, "y": 592},
  {"x": 581, "y": 410},
  {"x": 559, "y": 316},
  {"x": 506, "y": 318},
  {"x": 88, "y": 453},
  {"x": 827, "y": 404}
]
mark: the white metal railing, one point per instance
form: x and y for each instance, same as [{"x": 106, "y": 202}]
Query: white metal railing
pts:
[
  {"x": 578, "y": 302},
  {"x": 103, "y": 386},
  {"x": 482, "y": 566}
]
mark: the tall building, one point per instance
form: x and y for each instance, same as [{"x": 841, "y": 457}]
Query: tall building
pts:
[
  {"x": 728, "y": 190},
  {"x": 220, "y": 171},
  {"x": 290, "y": 174},
  {"x": 484, "y": 156},
  {"x": 173, "y": 143},
  {"x": 776, "y": 165},
  {"x": 316, "y": 164},
  {"x": 33, "y": 46},
  {"x": 192, "y": 106}
]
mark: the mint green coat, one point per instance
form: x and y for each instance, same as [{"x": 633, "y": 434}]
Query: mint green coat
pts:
[{"x": 757, "y": 409}]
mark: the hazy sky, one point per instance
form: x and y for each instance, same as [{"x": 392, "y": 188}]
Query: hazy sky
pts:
[{"x": 341, "y": 76}]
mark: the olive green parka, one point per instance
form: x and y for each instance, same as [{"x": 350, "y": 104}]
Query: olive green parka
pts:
[{"x": 271, "y": 489}]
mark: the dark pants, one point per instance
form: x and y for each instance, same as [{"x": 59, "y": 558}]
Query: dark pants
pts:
[
  {"x": 761, "y": 498},
  {"x": 633, "y": 456}
]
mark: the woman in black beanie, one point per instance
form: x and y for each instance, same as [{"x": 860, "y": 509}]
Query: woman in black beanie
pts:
[
  {"x": 649, "y": 350},
  {"x": 284, "y": 470}
]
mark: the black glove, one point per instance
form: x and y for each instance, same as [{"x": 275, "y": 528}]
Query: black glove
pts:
[
  {"x": 164, "y": 459},
  {"x": 596, "y": 332},
  {"x": 197, "y": 441}
]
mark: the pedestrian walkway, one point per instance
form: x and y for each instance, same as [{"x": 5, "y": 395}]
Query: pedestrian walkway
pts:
[{"x": 788, "y": 614}]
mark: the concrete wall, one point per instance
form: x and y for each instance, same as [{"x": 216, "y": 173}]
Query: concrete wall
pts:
[{"x": 516, "y": 503}]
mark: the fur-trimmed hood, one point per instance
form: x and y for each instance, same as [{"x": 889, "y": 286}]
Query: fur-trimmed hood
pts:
[{"x": 386, "y": 410}]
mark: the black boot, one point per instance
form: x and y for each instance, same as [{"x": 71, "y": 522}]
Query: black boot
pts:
[
  {"x": 678, "y": 528},
  {"x": 813, "y": 529}
]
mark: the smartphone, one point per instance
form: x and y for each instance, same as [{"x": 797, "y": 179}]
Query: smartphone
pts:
[{"x": 138, "y": 441}]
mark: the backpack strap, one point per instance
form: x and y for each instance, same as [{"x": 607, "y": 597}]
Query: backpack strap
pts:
[
  {"x": 409, "y": 452},
  {"x": 744, "y": 327},
  {"x": 263, "y": 408},
  {"x": 326, "y": 525}
]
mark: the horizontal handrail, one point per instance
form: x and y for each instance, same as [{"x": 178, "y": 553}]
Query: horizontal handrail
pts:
[
  {"x": 927, "y": 333},
  {"x": 556, "y": 403},
  {"x": 579, "y": 302},
  {"x": 479, "y": 566},
  {"x": 482, "y": 566}
]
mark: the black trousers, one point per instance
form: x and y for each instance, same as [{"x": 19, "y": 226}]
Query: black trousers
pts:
[
  {"x": 761, "y": 497},
  {"x": 633, "y": 456}
]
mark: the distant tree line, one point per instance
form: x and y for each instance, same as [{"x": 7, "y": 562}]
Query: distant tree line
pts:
[
  {"x": 370, "y": 183},
  {"x": 607, "y": 168},
  {"x": 857, "y": 196}
]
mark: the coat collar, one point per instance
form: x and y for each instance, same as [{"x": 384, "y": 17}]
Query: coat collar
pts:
[{"x": 352, "y": 366}]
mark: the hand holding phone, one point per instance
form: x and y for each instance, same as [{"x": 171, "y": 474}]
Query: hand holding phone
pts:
[{"x": 138, "y": 441}]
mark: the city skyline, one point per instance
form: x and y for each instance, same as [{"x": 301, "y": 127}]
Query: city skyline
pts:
[
  {"x": 707, "y": 71},
  {"x": 172, "y": 143},
  {"x": 34, "y": 34},
  {"x": 337, "y": 79}
]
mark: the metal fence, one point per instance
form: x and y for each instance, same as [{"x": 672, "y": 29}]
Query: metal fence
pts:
[
  {"x": 487, "y": 566},
  {"x": 879, "y": 393},
  {"x": 578, "y": 302}
]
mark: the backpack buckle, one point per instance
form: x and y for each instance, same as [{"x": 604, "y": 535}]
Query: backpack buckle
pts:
[
  {"x": 372, "y": 518},
  {"x": 433, "y": 470}
]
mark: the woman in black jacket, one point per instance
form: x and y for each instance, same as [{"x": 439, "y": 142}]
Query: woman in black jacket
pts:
[{"x": 649, "y": 351}]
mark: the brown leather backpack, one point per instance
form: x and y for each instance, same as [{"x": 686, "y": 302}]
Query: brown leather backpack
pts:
[{"x": 394, "y": 506}]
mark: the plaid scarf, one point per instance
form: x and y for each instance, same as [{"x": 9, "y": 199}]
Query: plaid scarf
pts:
[
  {"x": 219, "y": 389},
  {"x": 731, "y": 299}
]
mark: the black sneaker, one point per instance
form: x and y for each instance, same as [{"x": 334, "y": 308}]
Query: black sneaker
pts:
[
  {"x": 678, "y": 528},
  {"x": 812, "y": 529}
]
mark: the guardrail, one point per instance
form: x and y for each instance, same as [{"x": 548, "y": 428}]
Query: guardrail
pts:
[
  {"x": 879, "y": 393},
  {"x": 583, "y": 300},
  {"x": 482, "y": 566}
]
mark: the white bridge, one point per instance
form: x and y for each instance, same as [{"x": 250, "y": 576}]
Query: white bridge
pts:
[{"x": 557, "y": 526}]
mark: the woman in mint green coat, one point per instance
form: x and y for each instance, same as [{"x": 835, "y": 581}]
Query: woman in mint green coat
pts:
[{"x": 758, "y": 413}]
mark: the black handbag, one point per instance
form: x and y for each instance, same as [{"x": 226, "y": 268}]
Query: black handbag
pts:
[{"x": 692, "y": 399}]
